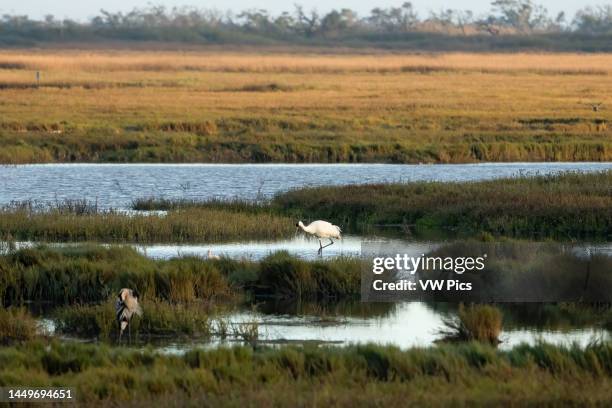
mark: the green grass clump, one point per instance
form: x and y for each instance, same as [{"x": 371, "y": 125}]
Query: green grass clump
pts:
[
  {"x": 564, "y": 206},
  {"x": 16, "y": 325},
  {"x": 461, "y": 374},
  {"x": 158, "y": 319},
  {"x": 282, "y": 275},
  {"x": 91, "y": 273},
  {"x": 481, "y": 323}
]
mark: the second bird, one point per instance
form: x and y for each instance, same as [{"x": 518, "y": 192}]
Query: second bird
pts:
[{"x": 126, "y": 307}]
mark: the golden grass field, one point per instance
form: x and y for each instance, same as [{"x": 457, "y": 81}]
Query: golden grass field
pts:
[{"x": 310, "y": 106}]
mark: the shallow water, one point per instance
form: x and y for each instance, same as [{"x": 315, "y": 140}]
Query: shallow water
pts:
[
  {"x": 301, "y": 246},
  {"x": 403, "y": 324},
  {"x": 116, "y": 185},
  {"x": 410, "y": 324}
]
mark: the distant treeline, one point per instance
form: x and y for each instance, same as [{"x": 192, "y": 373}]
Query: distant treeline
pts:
[{"x": 510, "y": 24}]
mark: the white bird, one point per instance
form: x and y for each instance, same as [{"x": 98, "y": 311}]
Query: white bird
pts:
[
  {"x": 212, "y": 256},
  {"x": 321, "y": 229},
  {"x": 126, "y": 307}
]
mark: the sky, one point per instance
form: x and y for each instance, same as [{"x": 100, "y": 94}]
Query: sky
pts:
[{"x": 83, "y": 9}]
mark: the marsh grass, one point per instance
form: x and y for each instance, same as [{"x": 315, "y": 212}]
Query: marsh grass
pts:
[
  {"x": 335, "y": 107},
  {"x": 562, "y": 317},
  {"x": 169, "y": 204},
  {"x": 482, "y": 323},
  {"x": 83, "y": 221},
  {"x": 16, "y": 325},
  {"x": 282, "y": 275},
  {"x": 159, "y": 319},
  {"x": 357, "y": 375},
  {"x": 247, "y": 332},
  {"x": 564, "y": 206},
  {"x": 89, "y": 273}
]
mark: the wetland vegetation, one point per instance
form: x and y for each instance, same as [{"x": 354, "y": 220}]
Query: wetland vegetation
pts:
[
  {"x": 464, "y": 373},
  {"x": 83, "y": 274},
  {"x": 83, "y": 221},
  {"x": 84, "y": 279},
  {"x": 314, "y": 107},
  {"x": 373, "y": 101},
  {"x": 563, "y": 206}
]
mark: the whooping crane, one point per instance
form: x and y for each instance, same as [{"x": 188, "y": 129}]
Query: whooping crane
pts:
[
  {"x": 125, "y": 307},
  {"x": 212, "y": 256},
  {"x": 321, "y": 229}
]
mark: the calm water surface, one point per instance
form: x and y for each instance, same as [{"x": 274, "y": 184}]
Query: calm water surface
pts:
[
  {"x": 410, "y": 324},
  {"x": 301, "y": 246},
  {"x": 116, "y": 185}
]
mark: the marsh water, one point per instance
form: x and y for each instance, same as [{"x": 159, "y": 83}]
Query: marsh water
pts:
[
  {"x": 409, "y": 324},
  {"x": 404, "y": 324},
  {"x": 116, "y": 185},
  {"x": 303, "y": 247}
]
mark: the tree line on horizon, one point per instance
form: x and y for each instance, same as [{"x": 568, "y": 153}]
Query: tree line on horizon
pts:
[{"x": 509, "y": 23}]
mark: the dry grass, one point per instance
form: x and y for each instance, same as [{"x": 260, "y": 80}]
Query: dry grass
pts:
[
  {"x": 16, "y": 325},
  {"x": 308, "y": 62},
  {"x": 143, "y": 106}
]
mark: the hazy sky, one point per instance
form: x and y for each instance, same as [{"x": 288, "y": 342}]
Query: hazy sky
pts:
[{"x": 82, "y": 9}]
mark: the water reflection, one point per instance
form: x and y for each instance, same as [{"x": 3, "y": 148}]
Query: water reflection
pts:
[
  {"x": 299, "y": 245},
  {"x": 408, "y": 324},
  {"x": 411, "y": 324}
]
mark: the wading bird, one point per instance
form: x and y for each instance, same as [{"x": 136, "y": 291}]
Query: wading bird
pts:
[
  {"x": 126, "y": 306},
  {"x": 212, "y": 256},
  {"x": 321, "y": 229}
]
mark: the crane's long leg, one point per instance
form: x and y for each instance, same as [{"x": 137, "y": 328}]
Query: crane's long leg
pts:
[
  {"x": 331, "y": 242},
  {"x": 320, "y": 251}
]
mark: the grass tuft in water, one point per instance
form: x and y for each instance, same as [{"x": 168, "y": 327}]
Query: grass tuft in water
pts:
[{"x": 481, "y": 323}]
